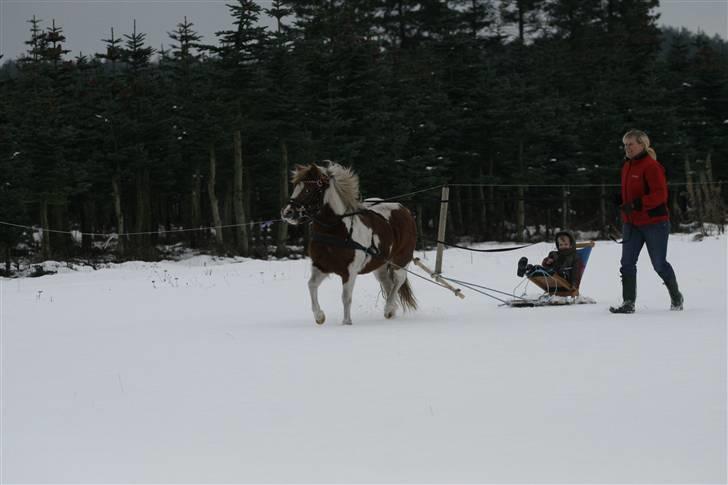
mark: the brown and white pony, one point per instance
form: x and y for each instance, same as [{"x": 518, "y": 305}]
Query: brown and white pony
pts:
[{"x": 350, "y": 237}]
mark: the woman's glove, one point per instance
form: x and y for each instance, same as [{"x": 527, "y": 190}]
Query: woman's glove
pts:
[{"x": 635, "y": 205}]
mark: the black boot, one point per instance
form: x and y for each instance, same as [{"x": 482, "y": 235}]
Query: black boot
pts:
[
  {"x": 629, "y": 295},
  {"x": 522, "y": 266},
  {"x": 676, "y": 298}
]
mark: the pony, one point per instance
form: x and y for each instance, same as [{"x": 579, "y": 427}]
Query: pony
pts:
[{"x": 350, "y": 237}]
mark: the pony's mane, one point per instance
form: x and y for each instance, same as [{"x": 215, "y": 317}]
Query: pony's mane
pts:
[
  {"x": 342, "y": 180},
  {"x": 306, "y": 172},
  {"x": 346, "y": 184}
]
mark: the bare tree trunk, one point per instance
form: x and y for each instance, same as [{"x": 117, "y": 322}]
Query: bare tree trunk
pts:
[
  {"x": 491, "y": 197},
  {"x": 226, "y": 213},
  {"x": 549, "y": 226},
  {"x": 564, "y": 208},
  {"x": 676, "y": 215},
  {"x": 521, "y": 202},
  {"x": 457, "y": 202},
  {"x": 711, "y": 211},
  {"x": 696, "y": 196},
  {"x": 214, "y": 207},
  {"x": 713, "y": 191},
  {"x": 521, "y": 214},
  {"x": 88, "y": 224},
  {"x": 46, "y": 240},
  {"x": 521, "y": 23},
  {"x": 238, "y": 196},
  {"x": 692, "y": 195},
  {"x": 119, "y": 214},
  {"x": 143, "y": 213},
  {"x": 709, "y": 167},
  {"x": 482, "y": 211},
  {"x": 63, "y": 244},
  {"x": 5, "y": 248},
  {"x": 196, "y": 209},
  {"x": 469, "y": 226},
  {"x": 248, "y": 190},
  {"x": 420, "y": 228},
  {"x": 603, "y": 206},
  {"x": 716, "y": 197},
  {"x": 501, "y": 232},
  {"x": 282, "y": 236}
]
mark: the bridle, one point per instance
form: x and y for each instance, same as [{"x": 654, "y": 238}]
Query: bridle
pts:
[{"x": 309, "y": 202}]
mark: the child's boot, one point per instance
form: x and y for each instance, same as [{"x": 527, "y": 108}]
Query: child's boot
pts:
[{"x": 522, "y": 263}]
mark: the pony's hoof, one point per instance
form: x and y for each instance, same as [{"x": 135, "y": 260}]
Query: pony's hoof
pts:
[
  {"x": 346, "y": 322},
  {"x": 321, "y": 318}
]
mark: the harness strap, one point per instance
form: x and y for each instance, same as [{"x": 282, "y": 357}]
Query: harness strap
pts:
[
  {"x": 363, "y": 211},
  {"x": 347, "y": 244}
]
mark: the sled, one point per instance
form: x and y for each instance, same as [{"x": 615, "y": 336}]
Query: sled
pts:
[
  {"x": 549, "y": 300},
  {"x": 557, "y": 291}
]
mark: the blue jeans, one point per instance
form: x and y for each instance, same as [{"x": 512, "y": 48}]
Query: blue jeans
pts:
[{"x": 655, "y": 236}]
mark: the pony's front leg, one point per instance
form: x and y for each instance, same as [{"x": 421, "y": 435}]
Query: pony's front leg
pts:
[
  {"x": 346, "y": 293},
  {"x": 317, "y": 276}
]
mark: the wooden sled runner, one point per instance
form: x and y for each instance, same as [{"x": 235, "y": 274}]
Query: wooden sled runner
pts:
[{"x": 558, "y": 291}]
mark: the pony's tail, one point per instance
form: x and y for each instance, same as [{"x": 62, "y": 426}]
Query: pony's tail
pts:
[{"x": 406, "y": 297}]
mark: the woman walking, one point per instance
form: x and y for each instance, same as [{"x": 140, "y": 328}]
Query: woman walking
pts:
[{"x": 646, "y": 220}]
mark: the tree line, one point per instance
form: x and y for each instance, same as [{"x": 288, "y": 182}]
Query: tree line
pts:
[{"x": 483, "y": 93}]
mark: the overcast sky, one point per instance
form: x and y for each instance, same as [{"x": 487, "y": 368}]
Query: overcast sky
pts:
[{"x": 85, "y": 22}]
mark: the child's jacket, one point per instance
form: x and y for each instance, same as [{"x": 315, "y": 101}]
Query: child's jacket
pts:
[{"x": 565, "y": 262}]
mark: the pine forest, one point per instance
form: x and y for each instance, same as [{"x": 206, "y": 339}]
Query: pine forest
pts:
[{"x": 519, "y": 106}]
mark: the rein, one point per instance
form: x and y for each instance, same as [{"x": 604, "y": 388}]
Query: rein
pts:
[{"x": 499, "y": 250}]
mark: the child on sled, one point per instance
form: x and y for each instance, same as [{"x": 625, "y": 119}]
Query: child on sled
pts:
[{"x": 563, "y": 262}]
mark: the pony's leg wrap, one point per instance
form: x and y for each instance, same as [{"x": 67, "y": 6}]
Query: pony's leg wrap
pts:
[{"x": 317, "y": 276}]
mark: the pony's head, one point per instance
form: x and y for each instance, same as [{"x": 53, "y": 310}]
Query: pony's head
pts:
[
  {"x": 314, "y": 186},
  {"x": 309, "y": 184}
]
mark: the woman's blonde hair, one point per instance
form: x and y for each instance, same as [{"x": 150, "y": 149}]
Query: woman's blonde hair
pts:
[{"x": 642, "y": 139}]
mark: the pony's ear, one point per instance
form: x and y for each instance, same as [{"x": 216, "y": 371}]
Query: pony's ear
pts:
[{"x": 296, "y": 172}]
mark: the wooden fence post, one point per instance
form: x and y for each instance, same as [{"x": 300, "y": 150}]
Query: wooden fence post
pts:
[{"x": 441, "y": 227}]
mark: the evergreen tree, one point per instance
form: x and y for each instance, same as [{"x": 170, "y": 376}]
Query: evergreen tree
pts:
[
  {"x": 185, "y": 108},
  {"x": 46, "y": 130},
  {"x": 282, "y": 102},
  {"x": 142, "y": 130},
  {"x": 14, "y": 176},
  {"x": 240, "y": 54},
  {"x": 110, "y": 118}
]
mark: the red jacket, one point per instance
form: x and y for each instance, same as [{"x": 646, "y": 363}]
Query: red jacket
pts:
[{"x": 644, "y": 179}]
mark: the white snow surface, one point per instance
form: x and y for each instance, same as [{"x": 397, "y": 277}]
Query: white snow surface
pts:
[{"x": 212, "y": 370}]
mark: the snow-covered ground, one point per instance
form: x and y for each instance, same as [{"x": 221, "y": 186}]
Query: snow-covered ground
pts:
[{"x": 210, "y": 370}]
